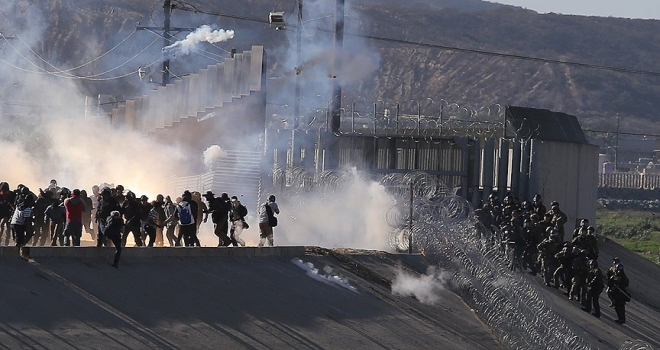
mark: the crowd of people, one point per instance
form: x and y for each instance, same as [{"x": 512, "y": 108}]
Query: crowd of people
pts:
[
  {"x": 57, "y": 216},
  {"x": 535, "y": 239}
]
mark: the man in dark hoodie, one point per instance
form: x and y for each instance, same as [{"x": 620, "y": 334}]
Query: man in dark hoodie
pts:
[
  {"x": 219, "y": 209},
  {"x": 7, "y": 198},
  {"x": 41, "y": 225},
  {"x": 113, "y": 227},
  {"x": 87, "y": 215},
  {"x": 107, "y": 204},
  {"x": 55, "y": 214},
  {"x": 75, "y": 207},
  {"x": 131, "y": 208}
]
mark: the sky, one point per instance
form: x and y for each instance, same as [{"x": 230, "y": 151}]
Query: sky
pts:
[{"x": 646, "y": 9}]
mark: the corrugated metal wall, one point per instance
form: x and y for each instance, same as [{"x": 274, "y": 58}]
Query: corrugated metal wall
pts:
[{"x": 567, "y": 173}]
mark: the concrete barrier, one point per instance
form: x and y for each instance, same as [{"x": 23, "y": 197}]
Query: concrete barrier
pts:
[
  {"x": 144, "y": 252},
  {"x": 8, "y": 252}
]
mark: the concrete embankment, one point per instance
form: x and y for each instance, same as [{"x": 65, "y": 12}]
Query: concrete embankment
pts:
[
  {"x": 210, "y": 298},
  {"x": 258, "y": 298}
]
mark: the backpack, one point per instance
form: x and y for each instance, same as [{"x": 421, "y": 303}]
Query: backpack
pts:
[
  {"x": 272, "y": 220},
  {"x": 242, "y": 210},
  {"x": 185, "y": 215}
]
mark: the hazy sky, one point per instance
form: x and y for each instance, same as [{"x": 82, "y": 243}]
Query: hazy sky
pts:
[{"x": 648, "y": 9}]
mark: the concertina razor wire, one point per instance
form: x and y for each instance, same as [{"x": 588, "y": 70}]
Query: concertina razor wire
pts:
[{"x": 446, "y": 231}]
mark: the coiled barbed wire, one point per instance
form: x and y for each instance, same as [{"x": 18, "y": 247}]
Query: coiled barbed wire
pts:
[
  {"x": 635, "y": 345},
  {"x": 445, "y": 229}
]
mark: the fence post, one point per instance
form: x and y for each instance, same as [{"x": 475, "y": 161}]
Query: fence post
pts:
[{"x": 410, "y": 224}]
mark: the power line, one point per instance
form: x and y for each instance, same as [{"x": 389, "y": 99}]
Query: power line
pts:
[
  {"x": 452, "y": 48},
  {"x": 506, "y": 55},
  {"x": 620, "y": 133},
  {"x": 192, "y": 8},
  {"x": 65, "y": 74}
]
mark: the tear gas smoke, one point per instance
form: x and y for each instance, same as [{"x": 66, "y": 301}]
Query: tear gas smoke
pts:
[
  {"x": 212, "y": 154},
  {"x": 202, "y": 34},
  {"x": 48, "y": 135},
  {"x": 353, "y": 215},
  {"x": 424, "y": 288}
]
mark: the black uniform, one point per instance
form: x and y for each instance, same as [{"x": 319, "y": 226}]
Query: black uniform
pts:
[
  {"x": 618, "y": 285},
  {"x": 595, "y": 284}
]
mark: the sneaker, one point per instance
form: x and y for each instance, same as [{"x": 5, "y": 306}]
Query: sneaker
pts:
[
  {"x": 596, "y": 315},
  {"x": 115, "y": 266},
  {"x": 585, "y": 309},
  {"x": 620, "y": 321}
]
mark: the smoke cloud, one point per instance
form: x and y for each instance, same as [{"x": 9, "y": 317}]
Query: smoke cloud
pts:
[
  {"x": 48, "y": 131},
  {"x": 351, "y": 216},
  {"x": 202, "y": 34},
  {"x": 212, "y": 155},
  {"x": 424, "y": 288}
]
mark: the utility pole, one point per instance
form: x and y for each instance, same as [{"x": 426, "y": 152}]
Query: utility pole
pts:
[
  {"x": 167, "y": 12},
  {"x": 167, "y": 37},
  {"x": 296, "y": 105},
  {"x": 616, "y": 147},
  {"x": 336, "y": 86}
]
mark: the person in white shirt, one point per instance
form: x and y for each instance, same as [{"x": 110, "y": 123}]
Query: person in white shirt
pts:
[
  {"x": 267, "y": 221},
  {"x": 21, "y": 221}
]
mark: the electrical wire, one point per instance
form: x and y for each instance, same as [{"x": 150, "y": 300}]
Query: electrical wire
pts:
[
  {"x": 455, "y": 48},
  {"x": 65, "y": 74},
  {"x": 104, "y": 54},
  {"x": 432, "y": 46}
]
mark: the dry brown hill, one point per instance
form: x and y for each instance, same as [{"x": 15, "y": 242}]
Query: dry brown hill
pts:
[{"x": 76, "y": 31}]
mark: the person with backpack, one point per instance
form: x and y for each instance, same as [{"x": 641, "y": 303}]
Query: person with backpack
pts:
[
  {"x": 186, "y": 211},
  {"x": 113, "y": 227},
  {"x": 237, "y": 216},
  {"x": 267, "y": 220},
  {"x": 219, "y": 209}
]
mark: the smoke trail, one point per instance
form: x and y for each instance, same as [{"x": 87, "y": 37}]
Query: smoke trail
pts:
[{"x": 202, "y": 34}]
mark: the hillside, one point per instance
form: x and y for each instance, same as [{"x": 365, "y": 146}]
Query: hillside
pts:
[{"x": 76, "y": 31}]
